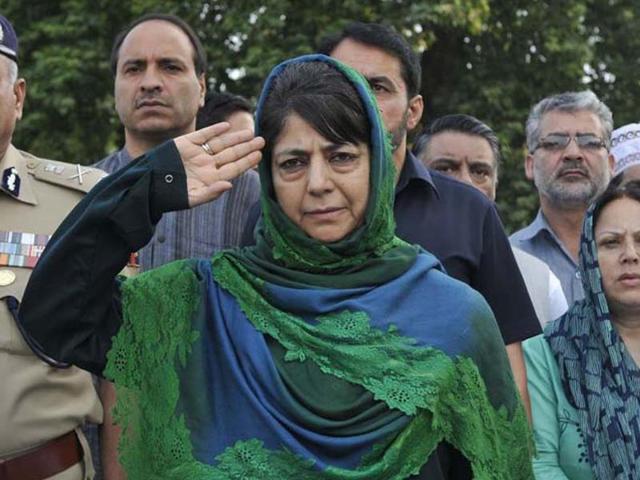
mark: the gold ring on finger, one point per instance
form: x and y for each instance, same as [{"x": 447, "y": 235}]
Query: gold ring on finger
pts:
[{"x": 205, "y": 146}]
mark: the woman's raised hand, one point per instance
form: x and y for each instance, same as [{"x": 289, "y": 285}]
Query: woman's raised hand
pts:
[{"x": 213, "y": 156}]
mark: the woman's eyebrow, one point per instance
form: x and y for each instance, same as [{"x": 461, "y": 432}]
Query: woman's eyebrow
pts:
[
  {"x": 610, "y": 231},
  {"x": 291, "y": 151}
]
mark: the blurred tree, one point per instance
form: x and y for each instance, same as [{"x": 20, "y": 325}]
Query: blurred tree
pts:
[
  {"x": 65, "y": 47},
  {"x": 490, "y": 58},
  {"x": 246, "y": 39},
  {"x": 613, "y": 73},
  {"x": 64, "y": 57},
  {"x": 523, "y": 53}
]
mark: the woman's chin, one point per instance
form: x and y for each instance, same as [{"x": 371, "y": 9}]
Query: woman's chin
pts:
[{"x": 329, "y": 235}]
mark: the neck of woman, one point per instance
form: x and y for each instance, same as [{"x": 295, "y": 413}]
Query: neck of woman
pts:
[{"x": 628, "y": 326}]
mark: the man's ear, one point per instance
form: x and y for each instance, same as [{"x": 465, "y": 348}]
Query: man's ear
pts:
[
  {"x": 414, "y": 113},
  {"x": 20, "y": 92},
  {"x": 528, "y": 166},
  {"x": 612, "y": 163},
  {"x": 202, "y": 81}
]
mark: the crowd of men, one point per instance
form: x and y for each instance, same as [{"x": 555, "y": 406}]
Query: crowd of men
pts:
[{"x": 159, "y": 69}]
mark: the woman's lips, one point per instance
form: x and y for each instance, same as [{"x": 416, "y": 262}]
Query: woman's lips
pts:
[
  {"x": 629, "y": 279},
  {"x": 325, "y": 213}
]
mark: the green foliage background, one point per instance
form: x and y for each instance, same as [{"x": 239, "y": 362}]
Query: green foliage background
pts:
[{"x": 489, "y": 58}]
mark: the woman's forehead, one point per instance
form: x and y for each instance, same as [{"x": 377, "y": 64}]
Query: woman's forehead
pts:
[
  {"x": 619, "y": 215},
  {"x": 299, "y": 134}
]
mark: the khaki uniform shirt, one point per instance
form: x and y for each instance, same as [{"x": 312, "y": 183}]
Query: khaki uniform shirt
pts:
[{"x": 37, "y": 402}]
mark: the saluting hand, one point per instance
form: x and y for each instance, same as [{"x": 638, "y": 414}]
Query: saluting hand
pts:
[{"x": 213, "y": 156}]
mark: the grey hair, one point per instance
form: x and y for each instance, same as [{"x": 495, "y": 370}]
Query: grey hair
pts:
[
  {"x": 569, "y": 102},
  {"x": 12, "y": 69}
]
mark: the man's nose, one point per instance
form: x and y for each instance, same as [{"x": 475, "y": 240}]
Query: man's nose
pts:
[
  {"x": 151, "y": 80},
  {"x": 572, "y": 150},
  {"x": 464, "y": 175}
]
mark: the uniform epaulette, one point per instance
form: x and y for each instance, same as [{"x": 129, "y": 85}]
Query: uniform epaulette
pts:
[{"x": 74, "y": 176}]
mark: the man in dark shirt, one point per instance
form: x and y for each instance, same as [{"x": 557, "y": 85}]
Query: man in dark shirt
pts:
[
  {"x": 449, "y": 219},
  {"x": 452, "y": 220}
]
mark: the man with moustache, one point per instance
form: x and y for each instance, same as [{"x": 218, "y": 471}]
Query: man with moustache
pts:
[
  {"x": 159, "y": 66},
  {"x": 468, "y": 150},
  {"x": 568, "y": 139}
]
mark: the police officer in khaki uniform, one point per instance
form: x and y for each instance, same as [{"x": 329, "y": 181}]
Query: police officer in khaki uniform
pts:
[{"x": 42, "y": 407}]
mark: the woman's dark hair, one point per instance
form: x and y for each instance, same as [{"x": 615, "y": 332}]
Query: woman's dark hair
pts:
[
  {"x": 617, "y": 189},
  {"x": 322, "y": 96}
]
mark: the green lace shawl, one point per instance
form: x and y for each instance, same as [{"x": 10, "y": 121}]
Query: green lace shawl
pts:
[{"x": 445, "y": 397}]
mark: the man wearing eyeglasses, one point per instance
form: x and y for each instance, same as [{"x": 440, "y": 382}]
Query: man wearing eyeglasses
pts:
[{"x": 568, "y": 140}]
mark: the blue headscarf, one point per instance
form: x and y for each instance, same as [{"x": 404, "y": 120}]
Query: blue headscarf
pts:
[
  {"x": 294, "y": 359},
  {"x": 600, "y": 378}
]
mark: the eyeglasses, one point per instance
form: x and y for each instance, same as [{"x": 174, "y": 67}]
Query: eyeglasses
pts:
[{"x": 560, "y": 141}]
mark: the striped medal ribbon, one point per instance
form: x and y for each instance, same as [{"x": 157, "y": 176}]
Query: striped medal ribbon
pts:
[{"x": 21, "y": 249}]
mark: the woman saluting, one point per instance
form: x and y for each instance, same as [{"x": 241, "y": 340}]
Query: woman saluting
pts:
[{"x": 330, "y": 350}]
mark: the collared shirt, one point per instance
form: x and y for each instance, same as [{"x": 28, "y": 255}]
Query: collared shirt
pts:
[
  {"x": 461, "y": 227},
  {"x": 200, "y": 231},
  {"x": 543, "y": 286},
  {"x": 539, "y": 240}
]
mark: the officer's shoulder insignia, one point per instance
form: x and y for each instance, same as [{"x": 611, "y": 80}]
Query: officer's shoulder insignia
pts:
[
  {"x": 10, "y": 181},
  {"x": 74, "y": 176}
]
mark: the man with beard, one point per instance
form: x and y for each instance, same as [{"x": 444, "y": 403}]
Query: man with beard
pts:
[
  {"x": 568, "y": 138},
  {"x": 463, "y": 147}
]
